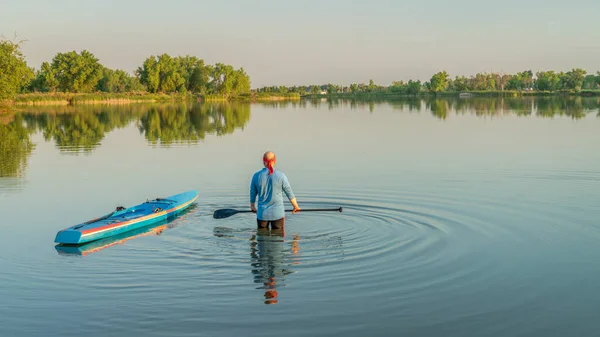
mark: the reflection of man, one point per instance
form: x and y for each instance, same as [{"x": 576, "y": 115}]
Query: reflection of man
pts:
[
  {"x": 268, "y": 257},
  {"x": 268, "y": 186}
]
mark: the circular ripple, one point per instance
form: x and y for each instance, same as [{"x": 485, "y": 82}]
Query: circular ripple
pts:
[{"x": 417, "y": 254}]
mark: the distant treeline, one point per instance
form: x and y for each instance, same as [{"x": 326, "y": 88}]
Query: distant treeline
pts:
[
  {"x": 72, "y": 72},
  {"x": 574, "y": 80}
]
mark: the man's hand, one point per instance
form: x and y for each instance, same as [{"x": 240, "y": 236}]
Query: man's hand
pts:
[
  {"x": 296, "y": 207},
  {"x": 253, "y": 208}
]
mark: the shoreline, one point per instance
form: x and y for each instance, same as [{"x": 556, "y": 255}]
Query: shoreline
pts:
[
  {"x": 458, "y": 94},
  {"x": 63, "y": 99}
]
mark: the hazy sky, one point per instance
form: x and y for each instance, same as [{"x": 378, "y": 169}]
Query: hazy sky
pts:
[{"x": 314, "y": 42}]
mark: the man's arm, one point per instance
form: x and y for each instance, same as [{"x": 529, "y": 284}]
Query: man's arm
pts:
[
  {"x": 253, "y": 193},
  {"x": 287, "y": 189},
  {"x": 295, "y": 204}
]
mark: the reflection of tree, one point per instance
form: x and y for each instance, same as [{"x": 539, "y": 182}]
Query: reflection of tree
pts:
[
  {"x": 406, "y": 103},
  {"x": 438, "y": 107},
  {"x": 442, "y": 107},
  {"x": 182, "y": 123},
  {"x": 573, "y": 107},
  {"x": 281, "y": 104},
  {"x": 15, "y": 147},
  {"x": 83, "y": 129}
]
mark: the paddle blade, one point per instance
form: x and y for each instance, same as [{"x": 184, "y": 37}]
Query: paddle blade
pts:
[{"x": 224, "y": 213}]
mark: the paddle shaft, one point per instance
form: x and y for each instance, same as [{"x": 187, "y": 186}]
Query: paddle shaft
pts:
[
  {"x": 225, "y": 213},
  {"x": 303, "y": 210}
]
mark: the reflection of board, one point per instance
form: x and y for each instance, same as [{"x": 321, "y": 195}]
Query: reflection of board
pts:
[
  {"x": 98, "y": 245},
  {"x": 127, "y": 219}
]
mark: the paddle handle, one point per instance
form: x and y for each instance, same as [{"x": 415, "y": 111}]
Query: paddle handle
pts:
[{"x": 339, "y": 209}]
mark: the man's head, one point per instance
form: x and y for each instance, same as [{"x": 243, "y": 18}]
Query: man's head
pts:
[{"x": 269, "y": 160}]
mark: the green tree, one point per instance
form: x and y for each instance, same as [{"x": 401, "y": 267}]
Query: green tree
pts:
[
  {"x": 149, "y": 74},
  {"x": 483, "y": 82},
  {"x": 398, "y": 87},
  {"x": 45, "y": 80},
  {"x": 573, "y": 79},
  {"x": 413, "y": 87},
  {"x": 241, "y": 83},
  {"x": 520, "y": 81},
  {"x": 439, "y": 82},
  {"x": 372, "y": 87},
  {"x": 547, "y": 80},
  {"x": 14, "y": 72},
  {"x": 590, "y": 82},
  {"x": 76, "y": 72},
  {"x": 118, "y": 81},
  {"x": 333, "y": 88},
  {"x": 460, "y": 84}
]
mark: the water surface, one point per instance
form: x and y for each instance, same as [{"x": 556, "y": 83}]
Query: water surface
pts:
[{"x": 461, "y": 217}]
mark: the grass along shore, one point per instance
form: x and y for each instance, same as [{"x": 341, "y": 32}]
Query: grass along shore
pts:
[
  {"x": 59, "y": 98},
  {"x": 94, "y": 98}
]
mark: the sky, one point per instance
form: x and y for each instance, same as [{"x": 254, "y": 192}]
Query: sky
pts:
[{"x": 317, "y": 42}]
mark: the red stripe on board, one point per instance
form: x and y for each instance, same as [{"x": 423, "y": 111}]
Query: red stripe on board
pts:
[{"x": 119, "y": 224}]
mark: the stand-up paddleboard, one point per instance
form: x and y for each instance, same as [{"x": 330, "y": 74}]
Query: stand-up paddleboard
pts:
[{"x": 126, "y": 219}]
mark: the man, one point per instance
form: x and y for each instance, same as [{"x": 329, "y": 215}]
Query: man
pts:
[{"x": 268, "y": 186}]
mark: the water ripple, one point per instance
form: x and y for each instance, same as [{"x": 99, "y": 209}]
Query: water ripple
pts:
[{"x": 417, "y": 252}]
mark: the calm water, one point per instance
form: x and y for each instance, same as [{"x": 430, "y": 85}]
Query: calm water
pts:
[{"x": 470, "y": 217}]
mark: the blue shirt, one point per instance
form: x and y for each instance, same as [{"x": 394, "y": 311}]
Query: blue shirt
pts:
[{"x": 269, "y": 190}]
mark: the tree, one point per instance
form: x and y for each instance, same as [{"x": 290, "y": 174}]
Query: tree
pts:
[
  {"x": 76, "y": 72},
  {"x": 333, "y": 88},
  {"x": 149, "y": 74},
  {"x": 573, "y": 79},
  {"x": 14, "y": 72},
  {"x": 460, "y": 84},
  {"x": 118, "y": 81},
  {"x": 241, "y": 82},
  {"x": 413, "y": 87},
  {"x": 439, "y": 82},
  {"x": 590, "y": 82},
  {"x": 372, "y": 86},
  {"x": 44, "y": 80},
  {"x": 547, "y": 80}
]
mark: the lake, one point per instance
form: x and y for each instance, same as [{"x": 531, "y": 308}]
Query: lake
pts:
[{"x": 461, "y": 217}]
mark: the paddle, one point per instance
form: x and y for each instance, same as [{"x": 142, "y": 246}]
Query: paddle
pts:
[{"x": 227, "y": 212}]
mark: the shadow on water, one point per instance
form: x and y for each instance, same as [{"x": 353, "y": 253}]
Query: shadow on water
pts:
[{"x": 98, "y": 245}]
